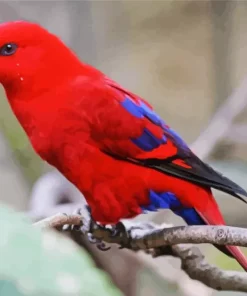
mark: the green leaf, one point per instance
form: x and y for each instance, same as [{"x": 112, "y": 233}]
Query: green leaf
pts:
[{"x": 35, "y": 262}]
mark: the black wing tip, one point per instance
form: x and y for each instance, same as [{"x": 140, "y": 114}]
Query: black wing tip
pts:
[
  {"x": 212, "y": 179},
  {"x": 217, "y": 180},
  {"x": 236, "y": 194},
  {"x": 241, "y": 191},
  {"x": 233, "y": 188},
  {"x": 223, "y": 183}
]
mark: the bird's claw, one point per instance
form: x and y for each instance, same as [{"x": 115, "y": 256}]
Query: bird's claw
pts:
[
  {"x": 85, "y": 229},
  {"x": 92, "y": 239},
  {"x": 99, "y": 243},
  {"x": 118, "y": 230},
  {"x": 126, "y": 232},
  {"x": 114, "y": 231}
]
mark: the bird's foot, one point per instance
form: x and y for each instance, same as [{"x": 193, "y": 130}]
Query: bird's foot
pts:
[
  {"x": 121, "y": 234},
  {"x": 86, "y": 228},
  {"x": 130, "y": 232}
]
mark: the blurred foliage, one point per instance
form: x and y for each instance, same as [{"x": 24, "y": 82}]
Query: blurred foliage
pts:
[
  {"x": 148, "y": 281},
  {"x": 35, "y": 262}
]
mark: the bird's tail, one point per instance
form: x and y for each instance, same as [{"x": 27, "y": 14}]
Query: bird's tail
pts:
[{"x": 215, "y": 218}]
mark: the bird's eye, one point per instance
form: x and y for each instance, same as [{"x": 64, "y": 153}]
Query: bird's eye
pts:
[{"x": 8, "y": 49}]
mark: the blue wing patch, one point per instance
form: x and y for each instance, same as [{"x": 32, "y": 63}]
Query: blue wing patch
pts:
[
  {"x": 147, "y": 141},
  {"x": 177, "y": 138},
  {"x": 168, "y": 200},
  {"x": 141, "y": 110},
  {"x": 190, "y": 216},
  {"x": 151, "y": 115},
  {"x": 130, "y": 106}
]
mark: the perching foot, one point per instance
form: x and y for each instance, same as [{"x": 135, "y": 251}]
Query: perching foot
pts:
[{"x": 86, "y": 228}]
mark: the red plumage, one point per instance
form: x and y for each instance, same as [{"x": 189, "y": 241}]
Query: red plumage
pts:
[{"x": 107, "y": 141}]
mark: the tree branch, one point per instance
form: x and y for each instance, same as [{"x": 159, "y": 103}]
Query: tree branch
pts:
[
  {"x": 166, "y": 240},
  {"x": 59, "y": 220},
  {"x": 194, "y": 264}
]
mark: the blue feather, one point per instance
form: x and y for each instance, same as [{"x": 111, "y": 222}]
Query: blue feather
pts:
[
  {"x": 168, "y": 200},
  {"x": 147, "y": 141},
  {"x": 190, "y": 216},
  {"x": 158, "y": 201},
  {"x": 151, "y": 115},
  {"x": 142, "y": 110},
  {"x": 132, "y": 108},
  {"x": 177, "y": 138}
]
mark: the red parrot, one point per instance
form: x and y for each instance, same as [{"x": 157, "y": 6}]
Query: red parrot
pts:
[{"x": 107, "y": 141}]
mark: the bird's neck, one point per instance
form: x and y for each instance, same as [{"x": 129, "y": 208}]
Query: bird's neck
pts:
[{"x": 37, "y": 100}]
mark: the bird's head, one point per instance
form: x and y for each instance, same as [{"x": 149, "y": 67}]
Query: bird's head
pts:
[{"x": 31, "y": 57}]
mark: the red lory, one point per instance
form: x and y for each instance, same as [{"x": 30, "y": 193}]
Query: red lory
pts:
[{"x": 104, "y": 139}]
